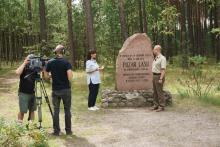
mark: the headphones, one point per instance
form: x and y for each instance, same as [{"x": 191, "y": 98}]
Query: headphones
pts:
[{"x": 62, "y": 51}]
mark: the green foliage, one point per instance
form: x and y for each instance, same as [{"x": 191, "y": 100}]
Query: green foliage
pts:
[
  {"x": 213, "y": 100},
  {"x": 168, "y": 17},
  {"x": 13, "y": 134},
  {"x": 183, "y": 93},
  {"x": 163, "y": 26},
  {"x": 198, "y": 60},
  {"x": 216, "y": 31},
  {"x": 199, "y": 82},
  {"x": 218, "y": 87},
  {"x": 179, "y": 60},
  {"x": 9, "y": 10}
]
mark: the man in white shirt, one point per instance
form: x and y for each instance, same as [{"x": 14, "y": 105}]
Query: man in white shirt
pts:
[{"x": 158, "y": 69}]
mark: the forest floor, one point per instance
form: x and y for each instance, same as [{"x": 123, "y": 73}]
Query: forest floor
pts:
[{"x": 187, "y": 123}]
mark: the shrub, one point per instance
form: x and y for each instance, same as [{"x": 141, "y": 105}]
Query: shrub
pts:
[
  {"x": 180, "y": 61},
  {"x": 198, "y": 81},
  {"x": 183, "y": 93},
  {"x": 13, "y": 134}
]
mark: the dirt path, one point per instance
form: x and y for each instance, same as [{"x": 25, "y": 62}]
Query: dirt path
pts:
[
  {"x": 128, "y": 127},
  {"x": 8, "y": 97},
  {"x": 6, "y": 81},
  {"x": 141, "y": 128}
]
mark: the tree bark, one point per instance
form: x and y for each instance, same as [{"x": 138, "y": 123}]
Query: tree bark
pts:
[
  {"x": 140, "y": 16},
  {"x": 124, "y": 30},
  {"x": 29, "y": 10},
  {"x": 70, "y": 33},
  {"x": 182, "y": 26},
  {"x": 217, "y": 25},
  {"x": 1, "y": 46},
  {"x": 89, "y": 24},
  {"x": 190, "y": 27},
  {"x": 144, "y": 16},
  {"x": 211, "y": 19},
  {"x": 43, "y": 26}
]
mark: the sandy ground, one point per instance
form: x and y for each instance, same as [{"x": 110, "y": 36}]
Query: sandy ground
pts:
[
  {"x": 129, "y": 127},
  {"x": 142, "y": 128}
]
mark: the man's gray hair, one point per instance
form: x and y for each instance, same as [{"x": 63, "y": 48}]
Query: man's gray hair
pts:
[
  {"x": 58, "y": 48},
  {"x": 158, "y": 47}
]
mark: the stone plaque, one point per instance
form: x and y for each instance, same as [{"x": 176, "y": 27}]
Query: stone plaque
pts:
[{"x": 134, "y": 63}]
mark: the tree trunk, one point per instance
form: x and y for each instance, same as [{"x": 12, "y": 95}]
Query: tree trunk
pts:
[
  {"x": 211, "y": 19},
  {"x": 190, "y": 27},
  {"x": 182, "y": 26},
  {"x": 11, "y": 48},
  {"x": 197, "y": 30},
  {"x": 124, "y": 29},
  {"x": 217, "y": 25},
  {"x": 1, "y": 46},
  {"x": 144, "y": 16},
  {"x": 183, "y": 37},
  {"x": 140, "y": 16},
  {"x": 89, "y": 24},
  {"x": 43, "y": 27},
  {"x": 29, "y": 10},
  {"x": 70, "y": 33},
  {"x": 200, "y": 31},
  {"x": 7, "y": 47}
]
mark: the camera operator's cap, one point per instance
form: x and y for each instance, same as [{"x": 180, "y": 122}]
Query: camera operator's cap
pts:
[{"x": 58, "y": 48}]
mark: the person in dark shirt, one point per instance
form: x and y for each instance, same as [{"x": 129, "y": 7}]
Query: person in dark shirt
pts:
[
  {"x": 61, "y": 74},
  {"x": 26, "y": 90}
]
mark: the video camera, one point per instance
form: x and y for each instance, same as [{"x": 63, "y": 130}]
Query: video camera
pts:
[{"x": 37, "y": 63}]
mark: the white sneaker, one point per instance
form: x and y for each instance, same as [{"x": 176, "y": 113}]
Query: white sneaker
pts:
[
  {"x": 30, "y": 122},
  {"x": 95, "y": 107},
  {"x": 20, "y": 121},
  {"x": 91, "y": 109}
]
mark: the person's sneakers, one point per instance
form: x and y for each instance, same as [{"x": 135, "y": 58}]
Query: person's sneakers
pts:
[
  {"x": 96, "y": 108},
  {"x": 154, "y": 108},
  {"x": 55, "y": 134},
  {"x": 69, "y": 133},
  {"x": 91, "y": 109},
  {"x": 19, "y": 121},
  {"x": 160, "y": 109}
]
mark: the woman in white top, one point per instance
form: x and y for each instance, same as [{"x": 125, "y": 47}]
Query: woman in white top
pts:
[{"x": 93, "y": 79}]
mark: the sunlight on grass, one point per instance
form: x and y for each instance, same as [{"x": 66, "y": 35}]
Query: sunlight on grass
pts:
[{"x": 181, "y": 103}]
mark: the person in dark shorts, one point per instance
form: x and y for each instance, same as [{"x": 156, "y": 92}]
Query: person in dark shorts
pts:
[
  {"x": 61, "y": 74},
  {"x": 26, "y": 90}
]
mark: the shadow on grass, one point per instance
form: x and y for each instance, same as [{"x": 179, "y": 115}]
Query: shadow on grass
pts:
[{"x": 73, "y": 141}]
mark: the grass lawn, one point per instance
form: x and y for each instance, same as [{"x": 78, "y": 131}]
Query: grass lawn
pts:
[{"x": 79, "y": 103}]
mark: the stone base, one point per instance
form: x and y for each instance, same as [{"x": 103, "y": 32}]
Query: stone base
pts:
[{"x": 140, "y": 98}]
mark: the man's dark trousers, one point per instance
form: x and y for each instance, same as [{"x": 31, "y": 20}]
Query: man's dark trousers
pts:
[
  {"x": 65, "y": 95},
  {"x": 159, "y": 99}
]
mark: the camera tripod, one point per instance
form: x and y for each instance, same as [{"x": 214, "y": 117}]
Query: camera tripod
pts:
[{"x": 40, "y": 91}]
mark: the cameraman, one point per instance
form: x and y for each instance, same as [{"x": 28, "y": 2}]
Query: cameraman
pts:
[
  {"x": 26, "y": 90},
  {"x": 61, "y": 73}
]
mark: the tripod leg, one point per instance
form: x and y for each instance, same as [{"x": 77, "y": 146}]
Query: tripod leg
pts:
[
  {"x": 39, "y": 117},
  {"x": 39, "y": 111},
  {"x": 38, "y": 97},
  {"x": 46, "y": 97}
]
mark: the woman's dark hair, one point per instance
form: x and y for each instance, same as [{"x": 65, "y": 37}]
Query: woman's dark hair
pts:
[{"x": 90, "y": 53}]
